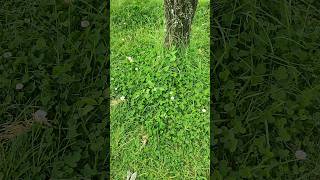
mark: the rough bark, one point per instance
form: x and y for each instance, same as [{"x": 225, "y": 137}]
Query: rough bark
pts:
[{"x": 179, "y": 16}]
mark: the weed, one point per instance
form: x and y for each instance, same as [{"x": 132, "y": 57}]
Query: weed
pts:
[
  {"x": 161, "y": 131},
  {"x": 53, "y": 59}
]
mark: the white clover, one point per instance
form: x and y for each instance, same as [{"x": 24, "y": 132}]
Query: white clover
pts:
[
  {"x": 115, "y": 88},
  {"x": 7, "y": 54},
  {"x": 122, "y": 98},
  {"x": 170, "y": 92},
  {"x": 130, "y": 59},
  {"x": 40, "y": 115},
  {"x": 136, "y": 69},
  {"x": 19, "y": 86},
  {"x": 301, "y": 155},
  {"x": 85, "y": 23},
  {"x": 204, "y": 110},
  {"x": 172, "y": 98},
  {"x": 122, "y": 39}
]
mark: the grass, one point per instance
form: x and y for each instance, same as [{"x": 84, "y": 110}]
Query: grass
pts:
[
  {"x": 266, "y": 91},
  {"x": 61, "y": 67},
  {"x": 152, "y": 134},
  {"x": 266, "y": 57}
]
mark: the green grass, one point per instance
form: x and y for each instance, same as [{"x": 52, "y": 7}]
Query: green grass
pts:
[
  {"x": 61, "y": 66},
  {"x": 266, "y": 57},
  {"x": 177, "y": 130},
  {"x": 266, "y": 61}
]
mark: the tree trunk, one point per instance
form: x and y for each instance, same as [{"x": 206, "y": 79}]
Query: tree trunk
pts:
[{"x": 179, "y": 15}]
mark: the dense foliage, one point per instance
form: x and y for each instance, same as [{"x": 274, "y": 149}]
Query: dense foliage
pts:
[
  {"x": 266, "y": 61},
  {"x": 56, "y": 50},
  {"x": 159, "y": 98}
]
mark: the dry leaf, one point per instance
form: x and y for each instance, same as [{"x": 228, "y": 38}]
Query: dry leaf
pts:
[
  {"x": 131, "y": 176},
  {"x": 115, "y": 102},
  {"x": 9, "y": 131},
  {"x": 144, "y": 140},
  {"x": 13, "y": 129}
]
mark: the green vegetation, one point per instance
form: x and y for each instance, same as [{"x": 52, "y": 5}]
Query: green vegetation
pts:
[
  {"x": 158, "y": 128},
  {"x": 53, "y": 103},
  {"x": 267, "y": 89},
  {"x": 49, "y": 62}
]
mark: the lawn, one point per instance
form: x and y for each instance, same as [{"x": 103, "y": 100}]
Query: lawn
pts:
[
  {"x": 52, "y": 100},
  {"x": 159, "y": 97},
  {"x": 267, "y": 90}
]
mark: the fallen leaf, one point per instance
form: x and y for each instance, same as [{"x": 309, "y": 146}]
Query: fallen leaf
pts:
[
  {"x": 131, "y": 176},
  {"x": 115, "y": 102},
  {"x": 11, "y": 130},
  {"x": 144, "y": 140}
]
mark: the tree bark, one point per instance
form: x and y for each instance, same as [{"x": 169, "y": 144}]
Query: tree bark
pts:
[{"x": 179, "y": 16}]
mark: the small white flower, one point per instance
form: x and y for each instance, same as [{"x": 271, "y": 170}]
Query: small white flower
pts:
[
  {"x": 122, "y": 39},
  {"x": 301, "y": 155},
  {"x": 7, "y": 54},
  {"x": 172, "y": 98},
  {"x": 170, "y": 92},
  {"x": 19, "y": 86},
  {"x": 124, "y": 23},
  {"x": 204, "y": 110},
  {"x": 130, "y": 59},
  {"x": 122, "y": 98},
  {"x": 115, "y": 88},
  {"x": 40, "y": 115},
  {"x": 85, "y": 23},
  {"x": 136, "y": 69}
]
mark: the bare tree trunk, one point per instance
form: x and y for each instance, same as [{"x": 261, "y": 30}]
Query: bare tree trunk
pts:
[{"x": 179, "y": 15}]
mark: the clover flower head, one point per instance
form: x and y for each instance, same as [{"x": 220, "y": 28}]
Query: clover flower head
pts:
[
  {"x": 85, "y": 23},
  {"x": 19, "y": 86},
  {"x": 7, "y": 54}
]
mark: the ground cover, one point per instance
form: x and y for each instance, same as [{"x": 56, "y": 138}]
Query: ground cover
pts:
[
  {"x": 266, "y": 111},
  {"x": 159, "y": 99}
]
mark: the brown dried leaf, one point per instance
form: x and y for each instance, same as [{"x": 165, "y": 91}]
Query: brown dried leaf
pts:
[
  {"x": 9, "y": 131},
  {"x": 115, "y": 102},
  {"x": 144, "y": 140}
]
